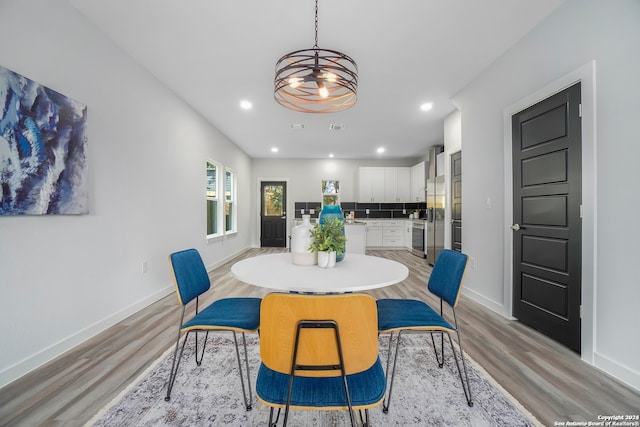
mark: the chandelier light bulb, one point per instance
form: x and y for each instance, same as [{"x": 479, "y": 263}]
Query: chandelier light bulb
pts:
[
  {"x": 322, "y": 90},
  {"x": 294, "y": 82}
]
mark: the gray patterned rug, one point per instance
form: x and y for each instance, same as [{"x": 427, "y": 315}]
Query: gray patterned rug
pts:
[{"x": 210, "y": 394}]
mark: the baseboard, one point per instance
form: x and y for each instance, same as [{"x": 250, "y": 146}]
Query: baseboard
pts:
[
  {"x": 34, "y": 361},
  {"x": 224, "y": 260},
  {"x": 620, "y": 372},
  {"x": 486, "y": 302}
]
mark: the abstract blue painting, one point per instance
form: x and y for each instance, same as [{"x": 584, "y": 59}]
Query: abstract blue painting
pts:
[{"x": 43, "y": 142}]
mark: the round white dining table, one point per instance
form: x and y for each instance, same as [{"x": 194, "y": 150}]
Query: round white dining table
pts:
[{"x": 354, "y": 273}]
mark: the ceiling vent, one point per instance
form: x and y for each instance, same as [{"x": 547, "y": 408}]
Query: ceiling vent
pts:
[
  {"x": 296, "y": 126},
  {"x": 336, "y": 127}
]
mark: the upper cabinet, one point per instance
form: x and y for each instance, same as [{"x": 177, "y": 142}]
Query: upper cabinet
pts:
[
  {"x": 397, "y": 184},
  {"x": 370, "y": 184},
  {"x": 418, "y": 182},
  {"x": 384, "y": 184}
]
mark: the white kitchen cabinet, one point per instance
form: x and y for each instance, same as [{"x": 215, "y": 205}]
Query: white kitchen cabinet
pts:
[
  {"x": 404, "y": 184},
  {"x": 356, "y": 237},
  {"x": 408, "y": 234},
  {"x": 397, "y": 184},
  {"x": 418, "y": 182},
  {"x": 393, "y": 233},
  {"x": 384, "y": 184},
  {"x": 370, "y": 184},
  {"x": 374, "y": 233}
]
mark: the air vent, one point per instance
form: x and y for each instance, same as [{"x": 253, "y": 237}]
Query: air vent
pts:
[
  {"x": 296, "y": 126},
  {"x": 336, "y": 126}
]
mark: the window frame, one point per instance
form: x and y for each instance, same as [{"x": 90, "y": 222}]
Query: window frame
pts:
[
  {"x": 218, "y": 226},
  {"x": 230, "y": 200}
]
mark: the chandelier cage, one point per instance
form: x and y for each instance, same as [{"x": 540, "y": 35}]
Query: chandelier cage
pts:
[{"x": 316, "y": 80}]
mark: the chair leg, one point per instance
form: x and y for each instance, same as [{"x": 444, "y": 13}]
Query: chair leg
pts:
[
  {"x": 247, "y": 402},
  {"x": 387, "y": 400},
  {"x": 365, "y": 422},
  {"x": 466, "y": 388},
  {"x": 273, "y": 423},
  {"x": 439, "y": 358},
  {"x": 204, "y": 346},
  {"x": 175, "y": 365}
]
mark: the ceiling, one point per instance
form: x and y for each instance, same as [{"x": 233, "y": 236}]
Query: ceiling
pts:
[{"x": 216, "y": 53}]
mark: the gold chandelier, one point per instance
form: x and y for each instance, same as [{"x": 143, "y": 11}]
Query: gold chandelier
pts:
[{"x": 316, "y": 80}]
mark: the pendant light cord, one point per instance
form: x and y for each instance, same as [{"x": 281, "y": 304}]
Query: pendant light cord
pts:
[{"x": 316, "y": 45}]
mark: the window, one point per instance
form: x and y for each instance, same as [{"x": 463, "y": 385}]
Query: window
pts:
[
  {"x": 212, "y": 199},
  {"x": 221, "y": 200},
  {"x": 229, "y": 201}
]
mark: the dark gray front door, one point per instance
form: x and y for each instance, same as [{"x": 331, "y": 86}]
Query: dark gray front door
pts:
[
  {"x": 456, "y": 201},
  {"x": 547, "y": 194},
  {"x": 273, "y": 217}
]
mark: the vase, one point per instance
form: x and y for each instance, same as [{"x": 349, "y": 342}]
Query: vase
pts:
[
  {"x": 327, "y": 259},
  {"x": 301, "y": 241},
  {"x": 328, "y": 213}
]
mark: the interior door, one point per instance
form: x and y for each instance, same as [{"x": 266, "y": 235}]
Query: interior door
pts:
[
  {"x": 456, "y": 201},
  {"x": 547, "y": 194},
  {"x": 273, "y": 215}
]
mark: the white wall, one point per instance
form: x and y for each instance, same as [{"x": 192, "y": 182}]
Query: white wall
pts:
[
  {"x": 64, "y": 278},
  {"x": 577, "y": 33}
]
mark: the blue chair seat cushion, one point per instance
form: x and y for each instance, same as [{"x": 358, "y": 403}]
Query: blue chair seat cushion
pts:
[
  {"x": 227, "y": 313},
  {"x": 397, "y": 314},
  {"x": 366, "y": 388}
]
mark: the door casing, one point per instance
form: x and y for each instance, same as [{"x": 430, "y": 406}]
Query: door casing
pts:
[{"x": 586, "y": 75}]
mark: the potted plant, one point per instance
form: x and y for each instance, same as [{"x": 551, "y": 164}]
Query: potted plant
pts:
[{"x": 328, "y": 240}]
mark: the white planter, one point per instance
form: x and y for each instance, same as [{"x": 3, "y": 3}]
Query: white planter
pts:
[{"x": 326, "y": 259}]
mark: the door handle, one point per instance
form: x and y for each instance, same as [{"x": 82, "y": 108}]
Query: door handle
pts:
[{"x": 516, "y": 227}]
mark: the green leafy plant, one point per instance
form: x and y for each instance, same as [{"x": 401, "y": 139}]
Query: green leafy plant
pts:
[{"x": 328, "y": 237}]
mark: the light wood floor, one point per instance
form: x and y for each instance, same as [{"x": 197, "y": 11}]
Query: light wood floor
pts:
[{"x": 548, "y": 379}]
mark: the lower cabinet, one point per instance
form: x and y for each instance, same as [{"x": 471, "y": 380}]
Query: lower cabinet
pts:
[
  {"x": 355, "y": 234},
  {"x": 387, "y": 233},
  {"x": 374, "y": 233},
  {"x": 393, "y": 234}
]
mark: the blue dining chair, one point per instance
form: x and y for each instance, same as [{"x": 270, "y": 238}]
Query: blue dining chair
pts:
[
  {"x": 400, "y": 315},
  {"x": 227, "y": 314}
]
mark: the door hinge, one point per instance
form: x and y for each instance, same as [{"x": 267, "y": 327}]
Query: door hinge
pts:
[
  {"x": 579, "y": 110},
  {"x": 580, "y": 211},
  {"x": 581, "y": 311}
]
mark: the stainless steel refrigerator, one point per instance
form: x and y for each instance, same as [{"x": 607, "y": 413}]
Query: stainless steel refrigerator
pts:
[{"x": 435, "y": 218}]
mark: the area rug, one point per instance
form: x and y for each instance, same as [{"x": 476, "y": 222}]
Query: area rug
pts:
[{"x": 210, "y": 394}]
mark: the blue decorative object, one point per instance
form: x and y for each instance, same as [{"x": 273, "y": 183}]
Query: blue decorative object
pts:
[{"x": 328, "y": 213}]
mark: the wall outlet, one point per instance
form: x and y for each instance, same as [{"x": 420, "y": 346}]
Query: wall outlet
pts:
[
  {"x": 366, "y": 211},
  {"x": 145, "y": 267},
  {"x": 472, "y": 262},
  {"x": 312, "y": 211}
]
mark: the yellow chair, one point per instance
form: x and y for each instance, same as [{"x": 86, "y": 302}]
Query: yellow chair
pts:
[{"x": 319, "y": 352}]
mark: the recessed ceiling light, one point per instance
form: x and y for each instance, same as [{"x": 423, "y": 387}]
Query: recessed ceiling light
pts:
[
  {"x": 331, "y": 155},
  {"x": 381, "y": 150},
  {"x": 274, "y": 149},
  {"x": 426, "y": 106},
  {"x": 245, "y": 105}
]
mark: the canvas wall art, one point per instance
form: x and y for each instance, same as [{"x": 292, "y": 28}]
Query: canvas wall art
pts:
[{"x": 43, "y": 143}]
